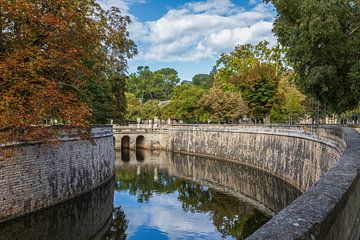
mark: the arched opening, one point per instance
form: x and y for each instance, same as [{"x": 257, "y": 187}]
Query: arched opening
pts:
[
  {"x": 125, "y": 149},
  {"x": 125, "y": 142},
  {"x": 140, "y": 142}
]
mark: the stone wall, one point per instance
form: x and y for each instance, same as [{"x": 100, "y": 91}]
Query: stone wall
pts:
[
  {"x": 296, "y": 155},
  {"x": 328, "y": 210},
  {"x": 86, "y": 217},
  {"x": 323, "y": 162},
  {"x": 40, "y": 175}
]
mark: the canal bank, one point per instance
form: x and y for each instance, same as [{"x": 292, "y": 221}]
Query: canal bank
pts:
[
  {"x": 39, "y": 175},
  {"x": 321, "y": 161}
]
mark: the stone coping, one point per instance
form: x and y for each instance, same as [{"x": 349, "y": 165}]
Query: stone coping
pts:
[
  {"x": 326, "y": 210},
  {"x": 96, "y": 131},
  {"x": 301, "y": 131}
]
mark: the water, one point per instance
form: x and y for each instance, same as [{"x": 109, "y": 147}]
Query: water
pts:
[{"x": 158, "y": 195}]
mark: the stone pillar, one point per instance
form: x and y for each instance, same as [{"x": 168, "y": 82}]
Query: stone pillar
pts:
[
  {"x": 150, "y": 124},
  {"x": 156, "y": 122},
  {"x": 138, "y": 122}
]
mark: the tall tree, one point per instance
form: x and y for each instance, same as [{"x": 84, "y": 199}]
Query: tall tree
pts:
[
  {"x": 323, "y": 44},
  {"x": 223, "y": 105},
  {"x": 203, "y": 80},
  {"x": 185, "y": 104},
  {"x": 255, "y": 72},
  {"x": 146, "y": 84},
  {"x": 291, "y": 105},
  {"x": 50, "y": 52},
  {"x": 137, "y": 82}
]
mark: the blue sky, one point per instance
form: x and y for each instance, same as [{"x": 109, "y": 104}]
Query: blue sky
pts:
[{"x": 190, "y": 35}]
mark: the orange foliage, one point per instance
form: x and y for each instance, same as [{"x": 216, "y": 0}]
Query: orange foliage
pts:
[{"x": 47, "y": 50}]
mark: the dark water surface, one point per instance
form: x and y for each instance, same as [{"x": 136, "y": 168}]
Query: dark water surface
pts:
[{"x": 158, "y": 195}]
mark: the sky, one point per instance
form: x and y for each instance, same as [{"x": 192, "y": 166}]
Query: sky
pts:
[{"x": 189, "y": 36}]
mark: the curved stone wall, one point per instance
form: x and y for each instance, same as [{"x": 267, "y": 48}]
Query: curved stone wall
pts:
[
  {"x": 296, "y": 155},
  {"x": 40, "y": 175},
  {"x": 323, "y": 162}
]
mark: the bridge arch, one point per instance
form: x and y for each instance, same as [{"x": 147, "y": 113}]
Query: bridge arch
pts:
[
  {"x": 140, "y": 142},
  {"x": 125, "y": 142}
]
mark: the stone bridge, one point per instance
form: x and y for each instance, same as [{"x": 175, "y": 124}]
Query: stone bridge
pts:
[{"x": 143, "y": 137}]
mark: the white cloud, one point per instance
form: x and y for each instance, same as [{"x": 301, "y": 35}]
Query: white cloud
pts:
[
  {"x": 200, "y": 30},
  {"x": 253, "y": 2},
  {"x": 211, "y": 7},
  {"x": 165, "y": 213}
]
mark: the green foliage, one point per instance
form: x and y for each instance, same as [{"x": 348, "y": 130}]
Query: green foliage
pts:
[
  {"x": 323, "y": 44},
  {"x": 133, "y": 110},
  {"x": 96, "y": 93},
  {"x": 184, "y": 104},
  {"x": 203, "y": 80},
  {"x": 150, "y": 109},
  {"x": 145, "y": 111},
  {"x": 223, "y": 105},
  {"x": 254, "y": 71},
  {"x": 291, "y": 105},
  {"x": 146, "y": 84}
]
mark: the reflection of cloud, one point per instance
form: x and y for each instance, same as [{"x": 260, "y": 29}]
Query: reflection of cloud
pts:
[
  {"x": 164, "y": 212},
  {"x": 199, "y": 30}
]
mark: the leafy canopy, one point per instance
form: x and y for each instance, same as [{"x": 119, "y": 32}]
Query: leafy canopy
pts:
[
  {"x": 255, "y": 72},
  {"x": 323, "y": 44},
  {"x": 146, "y": 84},
  {"x": 56, "y": 58}
]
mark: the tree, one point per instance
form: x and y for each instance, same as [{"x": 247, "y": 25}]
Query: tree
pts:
[
  {"x": 133, "y": 109},
  {"x": 255, "y": 72},
  {"x": 323, "y": 44},
  {"x": 146, "y": 84},
  {"x": 138, "y": 82},
  {"x": 291, "y": 105},
  {"x": 223, "y": 105},
  {"x": 184, "y": 104},
  {"x": 51, "y": 54},
  {"x": 203, "y": 80},
  {"x": 167, "y": 79}
]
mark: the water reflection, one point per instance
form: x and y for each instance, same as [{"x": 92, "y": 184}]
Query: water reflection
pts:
[
  {"x": 86, "y": 217},
  {"x": 140, "y": 155},
  {"x": 125, "y": 154},
  {"x": 118, "y": 226},
  {"x": 158, "y": 195},
  {"x": 175, "y": 196}
]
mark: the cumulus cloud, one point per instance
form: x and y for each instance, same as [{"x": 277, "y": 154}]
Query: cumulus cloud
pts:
[{"x": 200, "y": 30}]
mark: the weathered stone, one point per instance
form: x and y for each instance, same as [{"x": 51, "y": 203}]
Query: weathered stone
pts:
[
  {"x": 40, "y": 176},
  {"x": 321, "y": 161}
]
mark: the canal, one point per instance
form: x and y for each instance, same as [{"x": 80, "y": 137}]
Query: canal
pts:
[{"x": 161, "y": 195}]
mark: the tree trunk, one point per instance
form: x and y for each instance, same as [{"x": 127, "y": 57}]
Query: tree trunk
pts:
[{"x": 267, "y": 117}]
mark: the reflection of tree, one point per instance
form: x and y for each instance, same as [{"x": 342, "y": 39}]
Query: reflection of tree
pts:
[
  {"x": 118, "y": 226},
  {"x": 231, "y": 216},
  {"x": 143, "y": 186}
]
